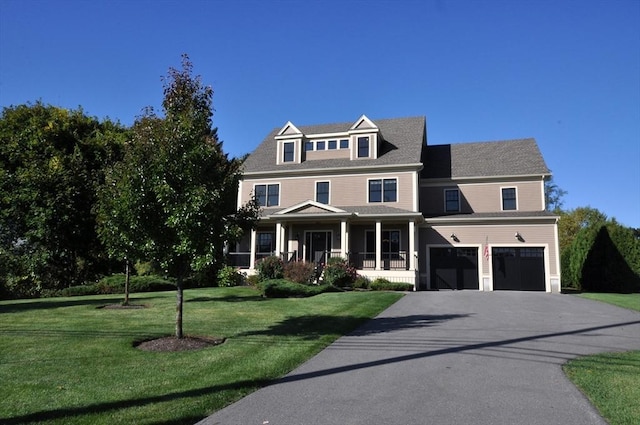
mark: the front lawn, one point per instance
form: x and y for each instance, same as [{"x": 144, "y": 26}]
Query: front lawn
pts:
[
  {"x": 611, "y": 381},
  {"x": 630, "y": 301},
  {"x": 67, "y": 361}
]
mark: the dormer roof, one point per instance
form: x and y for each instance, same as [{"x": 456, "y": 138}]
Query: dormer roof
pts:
[{"x": 402, "y": 143}]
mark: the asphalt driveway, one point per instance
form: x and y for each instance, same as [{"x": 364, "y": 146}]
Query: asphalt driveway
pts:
[{"x": 462, "y": 357}]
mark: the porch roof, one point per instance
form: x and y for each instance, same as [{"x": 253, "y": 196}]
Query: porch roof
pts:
[{"x": 312, "y": 210}]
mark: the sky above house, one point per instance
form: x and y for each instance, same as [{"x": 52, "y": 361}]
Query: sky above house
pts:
[{"x": 566, "y": 73}]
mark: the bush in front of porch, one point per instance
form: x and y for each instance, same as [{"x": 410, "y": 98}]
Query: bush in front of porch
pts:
[{"x": 338, "y": 272}]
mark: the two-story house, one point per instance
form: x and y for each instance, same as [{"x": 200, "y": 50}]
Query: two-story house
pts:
[{"x": 461, "y": 216}]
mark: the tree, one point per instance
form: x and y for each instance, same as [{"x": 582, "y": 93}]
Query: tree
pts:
[
  {"x": 51, "y": 160},
  {"x": 180, "y": 186},
  {"x": 553, "y": 195}
]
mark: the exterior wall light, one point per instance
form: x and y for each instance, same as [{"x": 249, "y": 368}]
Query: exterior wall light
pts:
[{"x": 454, "y": 237}]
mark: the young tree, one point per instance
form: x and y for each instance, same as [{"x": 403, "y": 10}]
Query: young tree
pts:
[
  {"x": 553, "y": 195},
  {"x": 184, "y": 186}
]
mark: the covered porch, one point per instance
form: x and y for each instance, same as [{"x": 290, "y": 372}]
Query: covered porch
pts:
[{"x": 378, "y": 241}]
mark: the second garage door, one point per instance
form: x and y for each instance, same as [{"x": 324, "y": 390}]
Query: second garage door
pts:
[{"x": 519, "y": 269}]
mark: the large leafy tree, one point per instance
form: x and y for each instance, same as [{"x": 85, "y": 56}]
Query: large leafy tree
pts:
[
  {"x": 173, "y": 197},
  {"x": 51, "y": 161}
]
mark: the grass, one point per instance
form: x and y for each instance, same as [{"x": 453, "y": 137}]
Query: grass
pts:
[
  {"x": 611, "y": 381},
  {"x": 630, "y": 301},
  {"x": 66, "y": 361}
]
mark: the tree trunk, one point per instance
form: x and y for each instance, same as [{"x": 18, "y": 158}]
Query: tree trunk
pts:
[
  {"x": 126, "y": 282},
  {"x": 179, "y": 299}
]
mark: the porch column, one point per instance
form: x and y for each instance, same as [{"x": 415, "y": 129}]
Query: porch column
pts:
[
  {"x": 252, "y": 257},
  {"x": 412, "y": 245},
  {"x": 278, "y": 246},
  {"x": 378, "y": 245},
  {"x": 343, "y": 239},
  {"x": 290, "y": 242}
]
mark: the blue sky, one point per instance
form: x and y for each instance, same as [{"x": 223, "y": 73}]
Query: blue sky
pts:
[{"x": 564, "y": 72}]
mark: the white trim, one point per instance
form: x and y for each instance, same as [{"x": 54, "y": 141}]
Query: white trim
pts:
[
  {"x": 351, "y": 169},
  {"x": 416, "y": 191},
  {"x": 444, "y": 195},
  {"x": 426, "y": 182},
  {"x": 544, "y": 198},
  {"x": 315, "y": 190},
  {"x": 289, "y": 125},
  {"x": 363, "y": 118},
  {"x": 267, "y": 184},
  {"x": 309, "y": 203},
  {"x": 444, "y": 220},
  {"x": 545, "y": 246},
  {"x": 479, "y": 261},
  {"x": 239, "y": 201},
  {"x": 281, "y": 151},
  {"x": 382, "y": 179},
  {"x": 515, "y": 188}
]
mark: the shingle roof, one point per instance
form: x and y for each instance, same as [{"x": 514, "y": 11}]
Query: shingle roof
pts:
[
  {"x": 404, "y": 138},
  {"x": 484, "y": 159}
]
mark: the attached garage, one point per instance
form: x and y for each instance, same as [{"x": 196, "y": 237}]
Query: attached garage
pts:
[
  {"x": 454, "y": 268},
  {"x": 518, "y": 269}
]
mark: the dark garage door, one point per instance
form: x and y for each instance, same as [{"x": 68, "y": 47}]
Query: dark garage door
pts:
[
  {"x": 454, "y": 268},
  {"x": 518, "y": 269}
]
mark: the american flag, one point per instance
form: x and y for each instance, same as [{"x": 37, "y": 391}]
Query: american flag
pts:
[{"x": 486, "y": 248}]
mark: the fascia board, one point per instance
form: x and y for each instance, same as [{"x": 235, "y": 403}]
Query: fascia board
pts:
[
  {"x": 336, "y": 170},
  {"x": 476, "y": 220},
  {"x": 426, "y": 181}
]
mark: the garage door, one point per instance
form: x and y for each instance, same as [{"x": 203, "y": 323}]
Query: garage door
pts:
[
  {"x": 518, "y": 269},
  {"x": 454, "y": 268}
]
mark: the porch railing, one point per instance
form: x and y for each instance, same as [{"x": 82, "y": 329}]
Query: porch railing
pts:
[{"x": 360, "y": 260}]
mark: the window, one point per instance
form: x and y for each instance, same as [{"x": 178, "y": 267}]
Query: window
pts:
[
  {"x": 288, "y": 152},
  {"x": 268, "y": 195},
  {"x": 308, "y": 146},
  {"x": 332, "y": 144},
  {"x": 509, "y": 198},
  {"x": 363, "y": 147},
  {"x": 383, "y": 190},
  {"x": 390, "y": 242},
  {"x": 344, "y": 144},
  {"x": 265, "y": 242},
  {"x": 451, "y": 200},
  {"x": 322, "y": 192},
  {"x": 320, "y": 145}
]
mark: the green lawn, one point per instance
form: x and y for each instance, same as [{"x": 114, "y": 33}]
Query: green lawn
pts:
[
  {"x": 630, "y": 301},
  {"x": 611, "y": 380},
  {"x": 66, "y": 361}
]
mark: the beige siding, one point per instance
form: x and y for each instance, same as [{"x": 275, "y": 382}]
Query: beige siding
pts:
[
  {"x": 328, "y": 154},
  {"x": 482, "y": 197},
  {"x": 534, "y": 235},
  {"x": 344, "y": 190}
]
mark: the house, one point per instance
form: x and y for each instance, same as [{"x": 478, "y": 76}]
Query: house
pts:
[{"x": 459, "y": 216}]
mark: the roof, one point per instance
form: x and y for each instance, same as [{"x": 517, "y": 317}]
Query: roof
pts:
[
  {"x": 492, "y": 215},
  {"x": 403, "y": 142},
  {"x": 484, "y": 159}
]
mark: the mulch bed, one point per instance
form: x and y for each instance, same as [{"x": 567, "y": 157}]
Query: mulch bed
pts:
[{"x": 171, "y": 343}]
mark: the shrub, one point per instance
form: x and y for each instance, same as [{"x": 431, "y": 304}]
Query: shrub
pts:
[
  {"x": 270, "y": 268},
  {"x": 253, "y": 280},
  {"x": 339, "y": 273},
  {"x": 230, "y": 276},
  {"x": 361, "y": 282},
  {"x": 381, "y": 284},
  {"x": 299, "y": 272},
  {"x": 282, "y": 288}
]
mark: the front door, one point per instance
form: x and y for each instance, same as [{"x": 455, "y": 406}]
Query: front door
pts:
[{"x": 316, "y": 245}]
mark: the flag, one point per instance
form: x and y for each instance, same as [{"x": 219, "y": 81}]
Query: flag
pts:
[{"x": 486, "y": 248}]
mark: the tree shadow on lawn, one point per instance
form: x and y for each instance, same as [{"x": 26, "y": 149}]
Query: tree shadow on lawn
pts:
[
  {"x": 227, "y": 298},
  {"x": 313, "y": 326},
  {"x": 250, "y": 385},
  {"x": 49, "y": 303}
]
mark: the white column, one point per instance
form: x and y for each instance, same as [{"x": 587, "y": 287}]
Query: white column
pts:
[
  {"x": 343, "y": 239},
  {"x": 278, "y": 247},
  {"x": 412, "y": 245},
  {"x": 378, "y": 245},
  {"x": 290, "y": 241},
  {"x": 252, "y": 257}
]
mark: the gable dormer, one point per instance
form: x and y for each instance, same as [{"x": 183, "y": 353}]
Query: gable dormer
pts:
[
  {"x": 289, "y": 144},
  {"x": 365, "y": 139}
]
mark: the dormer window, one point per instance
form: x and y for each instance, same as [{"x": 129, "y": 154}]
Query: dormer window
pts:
[
  {"x": 320, "y": 145},
  {"x": 308, "y": 146},
  {"x": 288, "y": 152},
  {"x": 344, "y": 144},
  {"x": 363, "y": 147},
  {"x": 332, "y": 144}
]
